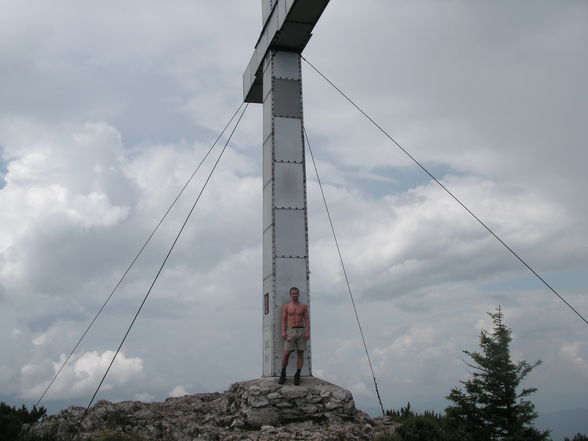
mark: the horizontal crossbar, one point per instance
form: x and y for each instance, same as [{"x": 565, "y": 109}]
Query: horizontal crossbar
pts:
[{"x": 288, "y": 27}]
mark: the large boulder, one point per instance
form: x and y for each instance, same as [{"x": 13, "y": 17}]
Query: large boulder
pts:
[
  {"x": 255, "y": 410},
  {"x": 265, "y": 402}
]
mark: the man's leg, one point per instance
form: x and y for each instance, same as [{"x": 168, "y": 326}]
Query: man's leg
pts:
[
  {"x": 300, "y": 360},
  {"x": 285, "y": 360},
  {"x": 299, "y": 363}
]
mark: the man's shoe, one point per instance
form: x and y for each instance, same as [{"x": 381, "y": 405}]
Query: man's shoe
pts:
[
  {"x": 297, "y": 379},
  {"x": 282, "y": 379}
]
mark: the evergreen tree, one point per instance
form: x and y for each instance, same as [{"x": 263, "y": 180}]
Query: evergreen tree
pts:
[
  {"x": 490, "y": 407},
  {"x": 578, "y": 437},
  {"x": 12, "y": 419}
]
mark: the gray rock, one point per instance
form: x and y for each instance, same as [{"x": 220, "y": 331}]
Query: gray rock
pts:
[
  {"x": 309, "y": 408},
  {"x": 333, "y": 404},
  {"x": 341, "y": 394},
  {"x": 256, "y": 410},
  {"x": 292, "y": 392},
  {"x": 282, "y": 404},
  {"x": 265, "y": 416},
  {"x": 258, "y": 401}
]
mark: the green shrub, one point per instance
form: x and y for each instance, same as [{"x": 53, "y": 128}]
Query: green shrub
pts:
[
  {"x": 12, "y": 419},
  {"x": 578, "y": 437},
  {"x": 420, "y": 428}
]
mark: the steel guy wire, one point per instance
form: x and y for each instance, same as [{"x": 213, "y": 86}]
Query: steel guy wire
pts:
[
  {"x": 162, "y": 265},
  {"x": 344, "y": 272},
  {"x": 137, "y": 256},
  {"x": 446, "y": 190}
]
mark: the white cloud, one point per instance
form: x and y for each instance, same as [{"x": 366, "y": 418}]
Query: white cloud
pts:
[
  {"x": 6, "y": 374},
  {"x": 408, "y": 356},
  {"x": 572, "y": 352},
  {"x": 101, "y": 124},
  {"x": 94, "y": 209},
  {"x": 360, "y": 389},
  {"x": 63, "y": 175},
  {"x": 177, "y": 391},
  {"x": 145, "y": 397},
  {"x": 43, "y": 338},
  {"x": 81, "y": 375},
  {"x": 423, "y": 238},
  {"x": 413, "y": 342}
]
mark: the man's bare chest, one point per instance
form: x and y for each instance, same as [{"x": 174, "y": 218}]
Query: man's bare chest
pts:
[{"x": 295, "y": 310}]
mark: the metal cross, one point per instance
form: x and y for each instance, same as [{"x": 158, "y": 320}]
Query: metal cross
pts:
[{"x": 273, "y": 77}]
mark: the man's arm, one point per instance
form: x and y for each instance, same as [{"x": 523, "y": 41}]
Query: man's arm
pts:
[
  {"x": 306, "y": 317},
  {"x": 284, "y": 320}
]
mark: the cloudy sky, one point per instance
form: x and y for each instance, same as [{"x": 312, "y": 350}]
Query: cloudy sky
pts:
[{"x": 107, "y": 107}]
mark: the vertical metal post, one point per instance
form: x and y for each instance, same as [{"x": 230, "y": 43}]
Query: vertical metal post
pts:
[{"x": 285, "y": 226}]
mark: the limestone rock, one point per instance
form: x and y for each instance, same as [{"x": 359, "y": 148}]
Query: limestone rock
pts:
[{"x": 256, "y": 410}]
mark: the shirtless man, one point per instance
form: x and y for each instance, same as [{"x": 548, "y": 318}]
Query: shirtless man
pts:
[{"x": 295, "y": 330}]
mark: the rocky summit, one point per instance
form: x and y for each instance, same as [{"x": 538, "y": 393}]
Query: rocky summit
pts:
[{"x": 255, "y": 410}]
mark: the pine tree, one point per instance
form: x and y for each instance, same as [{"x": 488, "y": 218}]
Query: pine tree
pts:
[
  {"x": 12, "y": 419},
  {"x": 578, "y": 437},
  {"x": 490, "y": 407}
]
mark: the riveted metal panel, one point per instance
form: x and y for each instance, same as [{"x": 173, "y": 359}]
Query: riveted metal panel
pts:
[
  {"x": 269, "y": 324},
  {"x": 290, "y": 272},
  {"x": 269, "y": 287},
  {"x": 247, "y": 79},
  {"x": 279, "y": 13},
  {"x": 290, "y": 233},
  {"x": 284, "y": 7},
  {"x": 267, "y": 83},
  {"x": 267, "y": 117},
  {"x": 268, "y": 351},
  {"x": 287, "y": 98},
  {"x": 266, "y": 63},
  {"x": 268, "y": 247},
  {"x": 286, "y": 65},
  {"x": 266, "y": 9},
  {"x": 289, "y": 185},
  {"x": 272, "y": 27},
  {"x": 268, "y": 332},
  {"x": 288, "y": 136},
  {"x": 267, "y": 160},
  {"x": 267, "y": 208}
]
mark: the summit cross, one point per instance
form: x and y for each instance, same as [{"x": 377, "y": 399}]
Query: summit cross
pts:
[{"x": 273, "y": 77}]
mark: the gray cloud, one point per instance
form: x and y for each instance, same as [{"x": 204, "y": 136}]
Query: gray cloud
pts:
[{"x": 105, "y": 109}]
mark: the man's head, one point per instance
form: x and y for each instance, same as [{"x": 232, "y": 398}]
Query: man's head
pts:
[{"x": 294, "y": 293}]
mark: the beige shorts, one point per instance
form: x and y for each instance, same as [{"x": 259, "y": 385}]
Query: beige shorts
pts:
[{"x": 295, "y": 340}]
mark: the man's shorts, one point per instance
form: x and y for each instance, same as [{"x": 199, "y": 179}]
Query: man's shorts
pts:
[{"x": 295, "y": 340}]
